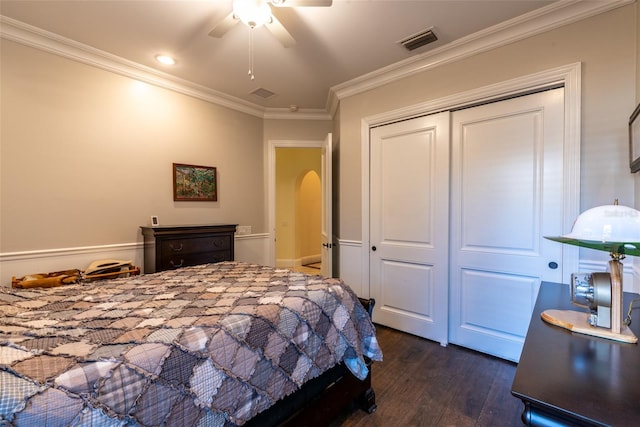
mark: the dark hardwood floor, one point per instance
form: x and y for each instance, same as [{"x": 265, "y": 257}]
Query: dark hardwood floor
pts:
[{"x": 421, "y": 383}]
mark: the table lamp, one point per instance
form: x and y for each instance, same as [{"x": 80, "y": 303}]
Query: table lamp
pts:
[{"x": 614, "y": 229}]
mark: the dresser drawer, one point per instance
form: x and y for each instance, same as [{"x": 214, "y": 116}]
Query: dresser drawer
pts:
[
  {"x": 171, "y": 261},
  {"x": 194, "y": 244},
  {"x": 172, "y": 247}
]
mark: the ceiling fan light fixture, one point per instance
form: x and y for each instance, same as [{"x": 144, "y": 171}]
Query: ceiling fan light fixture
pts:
[{"x": 252, "y": 13}]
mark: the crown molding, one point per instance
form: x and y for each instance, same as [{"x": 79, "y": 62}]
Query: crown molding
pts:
[
  {"x": 28, "y": 35},
  {"x": 301, "y": 114},
  {"x": 555, "y": 15}
]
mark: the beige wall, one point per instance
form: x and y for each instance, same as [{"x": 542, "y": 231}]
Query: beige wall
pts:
[
  {"x": 296, "y": 130},
  {"x": 86, "y": 155},
  {"x": 606, "y": 46}
]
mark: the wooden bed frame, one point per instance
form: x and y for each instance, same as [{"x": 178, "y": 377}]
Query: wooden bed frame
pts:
[{"x": 320, "y": 400}]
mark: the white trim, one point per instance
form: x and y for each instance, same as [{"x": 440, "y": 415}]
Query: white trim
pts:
[
  {"x": 60, "y": 252},
  {"x": 18, "y": 264},
  {"x": 553, "y": 16},
  {"x": 48, "y": 253},
  {"x": 298, "y": 262},
  {"x": 252, "y": 248},
  {"x": 250, "y": 236},
  {"x": 547, "y": 18},
  {"x": 248, "y": 248},
  {"x": 28, "y": 35},
  {"x": 353, "y": 243},
  {"x": 569, "y": 76},
  {"x": 349, "y": 266},
  {"x": 630, "y": 272},
  {"x": 301, "y": 114}
]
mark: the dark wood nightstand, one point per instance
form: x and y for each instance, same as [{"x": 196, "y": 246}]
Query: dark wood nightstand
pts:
[
  {"x": 571, "y": 379},
  {"x": 170, "y": 247}
]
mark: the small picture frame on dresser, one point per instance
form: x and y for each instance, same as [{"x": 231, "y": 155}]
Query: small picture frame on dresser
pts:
[{"x": 154, "y": 221}]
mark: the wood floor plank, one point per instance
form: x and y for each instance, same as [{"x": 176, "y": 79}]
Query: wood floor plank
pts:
[{"x": 420, "y": 383}]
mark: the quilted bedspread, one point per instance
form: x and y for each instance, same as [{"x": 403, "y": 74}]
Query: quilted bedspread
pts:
[{"x": 210, "y": 345}]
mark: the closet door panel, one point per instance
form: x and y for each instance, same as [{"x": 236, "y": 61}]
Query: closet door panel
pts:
[
  {"x": 507, "y": 194},
  {"x": 409, "y": 201}
]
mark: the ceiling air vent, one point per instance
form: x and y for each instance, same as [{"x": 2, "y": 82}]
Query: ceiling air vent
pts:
[
  {"x": 263, "y": 93},
  {"x": 420, "y": 39}
]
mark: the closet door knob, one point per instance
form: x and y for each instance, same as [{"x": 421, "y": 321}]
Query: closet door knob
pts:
[
  {"x": 373, "y": 248},
  {"x": 553, "y": 265}
]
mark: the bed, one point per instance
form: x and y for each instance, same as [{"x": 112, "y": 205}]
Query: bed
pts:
[{"x": 225, "y": 344}]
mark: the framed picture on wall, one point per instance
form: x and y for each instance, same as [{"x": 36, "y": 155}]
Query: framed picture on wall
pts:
[
  {"x": 194, "y": 183},
  {"x": 634, "y": 140}
]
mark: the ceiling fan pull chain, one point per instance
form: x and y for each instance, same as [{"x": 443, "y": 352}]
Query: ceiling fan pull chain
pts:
[{"x": 251, "y": 75}]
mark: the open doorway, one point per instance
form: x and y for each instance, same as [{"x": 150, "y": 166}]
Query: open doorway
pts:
[{"x": 298, "y": 208}]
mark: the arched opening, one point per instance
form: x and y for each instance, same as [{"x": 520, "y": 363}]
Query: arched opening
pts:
[{"x": 308, "y": 207}]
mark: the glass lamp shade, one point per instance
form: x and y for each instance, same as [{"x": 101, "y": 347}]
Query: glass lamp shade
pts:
[
  {"x": 610, "y": 228},
  {"x": 252, "y": 13}
]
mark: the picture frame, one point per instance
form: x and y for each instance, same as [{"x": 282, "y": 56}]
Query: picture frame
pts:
[
  {"x": 194, "y": 183},
  {"x": 634, "y": 140}
]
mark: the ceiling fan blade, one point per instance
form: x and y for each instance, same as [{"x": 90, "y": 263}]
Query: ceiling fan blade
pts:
[
  {"x": 224, "y": 26},
  {"x": 280, "y": 32},
  {"x": 302, "y": 3}
]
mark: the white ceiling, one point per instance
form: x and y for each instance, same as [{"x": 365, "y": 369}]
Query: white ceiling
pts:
[{"x": 334, "y": 44}]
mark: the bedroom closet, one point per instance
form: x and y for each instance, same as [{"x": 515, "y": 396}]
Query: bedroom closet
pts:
[{"x": 459, "y": 202}]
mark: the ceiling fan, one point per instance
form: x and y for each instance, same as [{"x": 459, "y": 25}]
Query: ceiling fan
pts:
[{"x": 255, "y": 13}]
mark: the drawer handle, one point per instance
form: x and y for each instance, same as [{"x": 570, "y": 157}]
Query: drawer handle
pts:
[
  {"x": 219, "y": 243},
  {"x": 174, "y": 249},
  {"x": 174, "y": 265}
]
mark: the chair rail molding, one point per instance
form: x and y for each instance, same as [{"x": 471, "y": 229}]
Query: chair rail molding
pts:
[{"x": 252, "y": 248}]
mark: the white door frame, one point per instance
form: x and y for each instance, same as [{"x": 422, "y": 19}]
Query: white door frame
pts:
[
  {"x": 326, "y": 231},
  {"x": 568, "y": 76},
  {"x": 271, "y": 190}
]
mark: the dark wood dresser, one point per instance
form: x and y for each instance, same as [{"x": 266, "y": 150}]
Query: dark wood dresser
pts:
[
  {"x": 170, "y": 247},
  {"x": 571, "y": 379}
]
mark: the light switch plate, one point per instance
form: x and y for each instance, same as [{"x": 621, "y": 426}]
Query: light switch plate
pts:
[{"x": 243, "y": 229}]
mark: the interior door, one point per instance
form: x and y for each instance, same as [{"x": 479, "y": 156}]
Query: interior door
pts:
[
  {"x": 506, "y": 194},
  {"x": 326, "y": 216},
  {"x": 409, "y": 228}
]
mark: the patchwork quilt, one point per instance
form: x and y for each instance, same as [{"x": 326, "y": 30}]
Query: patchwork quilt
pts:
[{"x": 209, "y": 345}]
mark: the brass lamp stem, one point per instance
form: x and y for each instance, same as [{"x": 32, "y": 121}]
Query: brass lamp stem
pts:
[{"x": 615, "y": 266}]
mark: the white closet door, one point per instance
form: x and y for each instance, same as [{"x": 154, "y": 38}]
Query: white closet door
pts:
[
  {"x": 506, "y": 194},
  {"x": 409, "y": 229}
]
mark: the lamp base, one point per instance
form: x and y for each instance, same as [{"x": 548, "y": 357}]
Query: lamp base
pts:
[{"x": 576, "y": 321}]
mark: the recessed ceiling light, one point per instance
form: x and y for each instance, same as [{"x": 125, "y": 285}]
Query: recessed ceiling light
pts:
[{"x": 166, "y": 60}]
